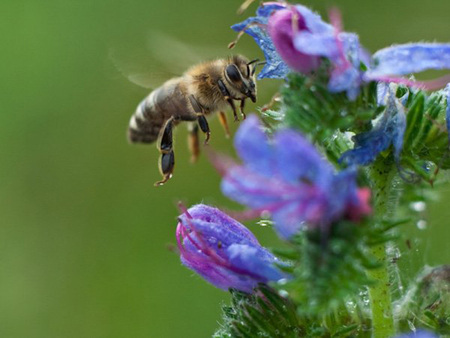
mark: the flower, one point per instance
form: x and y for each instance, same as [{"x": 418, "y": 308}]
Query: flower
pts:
[
  {"x": 281, "y": 31},
  {"x": 287, "y": 177},
  {"x": 351, "y": 64},
  {"x": 390, "y": 129},
  {"x": 223, "y": 251}
]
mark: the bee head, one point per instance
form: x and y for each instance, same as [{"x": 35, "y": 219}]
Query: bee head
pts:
[{"x": 240, "y": 74}]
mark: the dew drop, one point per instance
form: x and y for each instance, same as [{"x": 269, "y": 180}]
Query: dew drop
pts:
[
  {"x": 264, "y": 222},
  {"x": 422, "y": 224},
  {"x": 283, "y": 293},
  {"x": 265, "y": 214},
  {"x": 411, "y": 326},
  {"x": 419, "y": 206}
]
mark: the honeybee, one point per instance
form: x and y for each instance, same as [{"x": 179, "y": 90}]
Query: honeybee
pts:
[{"x": 203, "y": 89}]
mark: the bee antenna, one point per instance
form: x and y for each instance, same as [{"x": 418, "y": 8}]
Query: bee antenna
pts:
[
  {"x": 252, "y": 62},
  {"x": 257, "y": 63}
]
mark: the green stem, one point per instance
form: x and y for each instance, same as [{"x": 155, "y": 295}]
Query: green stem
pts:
[{"x": 383, "y": 174}]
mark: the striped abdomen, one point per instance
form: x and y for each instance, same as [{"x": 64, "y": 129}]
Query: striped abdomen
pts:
[
  {"x": 145, "y": 123},
  {"x": 151, "y": 114}
]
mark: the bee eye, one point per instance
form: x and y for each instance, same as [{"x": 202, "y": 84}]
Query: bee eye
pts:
[{"x": 233, "y": 73}]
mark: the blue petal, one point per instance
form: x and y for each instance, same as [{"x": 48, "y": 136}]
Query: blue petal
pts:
[
  {"x": 253, "y": 148},
  {"x": 288, "y": 220},
  {"x": 265, "y": 10},
  {"x": 317, "y": 44},
  {"x": 275, "y": 67},
  {"x": 298, "y": 159},
  {"x": 347, "y": 80},
  {"x": 389, "y": 130},
  {"x": 313, "y": 21},
  {"x": 253, "y": 190},
  {"x": 256, "y": 260},
  {"x": 382, "y": 93},
  {"x": 344, "y": 51},
  {"x": 410, "y": 58}
]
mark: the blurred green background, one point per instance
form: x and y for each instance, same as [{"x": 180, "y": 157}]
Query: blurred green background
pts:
[{"x": 85, "y": 238}]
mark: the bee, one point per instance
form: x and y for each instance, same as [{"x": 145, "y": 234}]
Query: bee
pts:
[{"x": 202, "y": 90}]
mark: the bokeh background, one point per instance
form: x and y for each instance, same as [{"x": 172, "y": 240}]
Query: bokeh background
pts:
[{"x": 85, "y": 238}]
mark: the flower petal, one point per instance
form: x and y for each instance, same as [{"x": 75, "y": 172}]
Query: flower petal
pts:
[
  {"x": 253, "y": 148},
  {"x": 255, "y": 259},
  {"x": 255, "y": 27},
  {"x": 409, "y": 58},
  {"x": 389, "y": 130},
  {"x": 297, "y": 158}
]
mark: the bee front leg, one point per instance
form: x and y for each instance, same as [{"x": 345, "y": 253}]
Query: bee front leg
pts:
[
  {"x": 165, "y": 147},
  {"x": 241, "y": 107},
  {"x": 227, "y": 96},
  {"x": 193, "y": 142}
]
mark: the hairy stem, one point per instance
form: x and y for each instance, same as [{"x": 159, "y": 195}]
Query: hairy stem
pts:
[{"x": 383, "y": 174}]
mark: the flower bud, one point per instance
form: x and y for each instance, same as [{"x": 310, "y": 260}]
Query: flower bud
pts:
[
  {"x": 223, "y": 251},
  {"x": 281, "y": 27}
]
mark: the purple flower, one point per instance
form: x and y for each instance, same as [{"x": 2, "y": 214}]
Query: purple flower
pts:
[
  {"x": 390, "y": 129},
  {"x": 281, "y": 30},
  {"x": 418, "y": 334},
  {"x": 287, "y": 177},
  {"x": 301, "y": 37},
  {"x": 223, "y": 251}
]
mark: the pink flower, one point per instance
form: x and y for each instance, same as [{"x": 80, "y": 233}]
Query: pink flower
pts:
[{"x": 281, "y": 28}]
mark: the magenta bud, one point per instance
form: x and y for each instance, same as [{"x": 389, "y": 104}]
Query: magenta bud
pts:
[
  {"x": 281, "y": 28},
  {"x": 223, "y": 251}
]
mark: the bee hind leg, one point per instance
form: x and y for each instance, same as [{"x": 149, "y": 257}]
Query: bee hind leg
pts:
[
  {"x": 165, "y": 147},
  {"x": 193, "y": 142},
  {"x": 166, "y": 165}
]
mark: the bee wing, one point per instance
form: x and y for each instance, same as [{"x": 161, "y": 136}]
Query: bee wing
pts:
[
  {"x": 139, "y": 68},
  {"x": 161, "y": 58},
  {"x": 179, "y": 55}
]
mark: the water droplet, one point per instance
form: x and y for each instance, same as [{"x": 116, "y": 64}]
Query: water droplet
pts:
[
  {"x": 283, "y": 293},
  {"x": 265, "y": 214},
  {"x": 419, "y": 206},
  {"x": 282, "y": 281},
  {"x": 264, "y": 223},
  {"x": 422, "y": 224},
  {"x": 411, "y": 326}
]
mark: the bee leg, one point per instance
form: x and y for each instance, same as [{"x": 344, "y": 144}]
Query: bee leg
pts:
[
  {"x": 166, "y": 165},
  {"x": 193, "y": 142},
  {"x": 200, "y": 111},
  {"x": 231, "y": 103},
  {"x": 203, "y": 123},
  {"x": 224, "y": 123},
  {"x": 226, "y": 94},
  {"x": 165, "y": 147},
  {"x": 165, "y": 140},
  {"x": 241, "y": 107}
]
